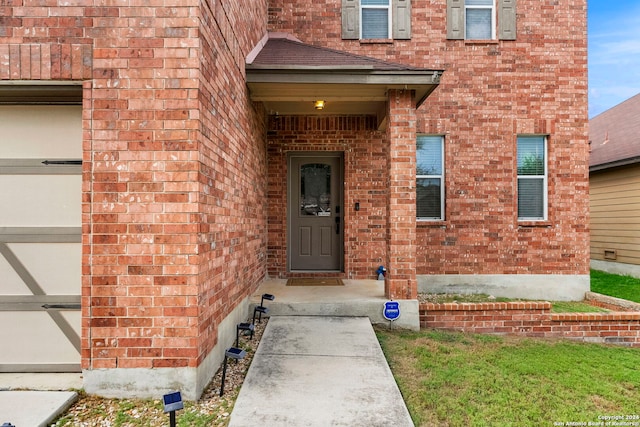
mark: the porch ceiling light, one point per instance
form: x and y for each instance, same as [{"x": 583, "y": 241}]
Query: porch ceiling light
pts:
[{"x": 319, "y": 104}]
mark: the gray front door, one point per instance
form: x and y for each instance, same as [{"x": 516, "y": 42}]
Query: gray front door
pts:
[{"x": 315, "y": 212}]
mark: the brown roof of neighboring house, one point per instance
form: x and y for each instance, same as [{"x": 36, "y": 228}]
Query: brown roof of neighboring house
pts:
[
  {"x": 615, "y": 136},
  {"x": 284, "y": 50}
]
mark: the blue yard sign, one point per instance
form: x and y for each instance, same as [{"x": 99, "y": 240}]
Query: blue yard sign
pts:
[{"x": 391, "y": 310}]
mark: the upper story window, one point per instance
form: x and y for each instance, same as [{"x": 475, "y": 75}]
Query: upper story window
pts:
[
  {"x": 477, "y": 20},
  {"x": 376, "y": 19},
  {"x": 479, "y": 16}
]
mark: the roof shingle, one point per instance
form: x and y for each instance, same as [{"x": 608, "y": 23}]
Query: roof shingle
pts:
[
  {"x": 281, "y": 50},
  {"x": 615, "y": 135}
]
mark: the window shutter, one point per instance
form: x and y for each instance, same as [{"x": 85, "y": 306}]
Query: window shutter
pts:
[
  {"x": 350, "y": 19},
  {"x": 401, "y": 16},
  {"x": 455, "y": 19},
  {"x": 507, "y": 20}
]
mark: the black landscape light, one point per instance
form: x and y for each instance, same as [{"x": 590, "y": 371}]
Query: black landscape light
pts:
[
  {"x": 244, "y": 327},
  {"x": 261, "y": 308},
  {"x": 172, "y": 403},
  {"x": 266, "y": 297},
  {"x": 231, "y": 353}
]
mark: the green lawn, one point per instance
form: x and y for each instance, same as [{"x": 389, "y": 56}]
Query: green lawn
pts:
[
  {"x": 556, "y": 306},
  {"x": 456, "y": 379},
  {"x": 614, "y": 285}
]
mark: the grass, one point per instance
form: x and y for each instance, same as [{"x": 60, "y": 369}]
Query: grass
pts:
[
  {"x": 456, "y": 379},
  {"x": 575, "y": 307},
  {"x": 614, "y": 285},
  {"x": 556, "y": 306}
]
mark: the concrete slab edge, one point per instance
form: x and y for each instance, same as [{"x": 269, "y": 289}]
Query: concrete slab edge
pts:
[{"x": 62, "y": 409}]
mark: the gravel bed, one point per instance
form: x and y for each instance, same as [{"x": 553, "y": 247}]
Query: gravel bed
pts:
[{"x": 210, "y": 410}]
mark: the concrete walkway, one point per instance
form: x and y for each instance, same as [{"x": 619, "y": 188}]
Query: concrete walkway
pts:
[
  {"x": 34, "y": 408},
  {"x": 23, "y": 407},
  {"x": 319, "y": 371}
]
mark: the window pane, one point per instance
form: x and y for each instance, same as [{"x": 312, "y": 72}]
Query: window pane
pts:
[
  {"x": 531, "y": 159},
  {"x": 375, "y": 23},
  {"x": 315, "y": 190},
  {"x": 531, "y": 198},
  {"x": 429, "y": 155},
  {"x": 376, "y": 2},
  {"x": 478, "y": 2},
  {"x": 478, "y": 24},
  {"x": 429, "y": 202}
]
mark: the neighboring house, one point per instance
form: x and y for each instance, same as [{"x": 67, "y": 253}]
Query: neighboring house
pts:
[
  {"x": 160, "y": 160},
  {"x": 614, "y": 179}
]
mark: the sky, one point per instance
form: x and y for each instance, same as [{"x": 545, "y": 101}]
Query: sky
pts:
[{"x": 614, "y": 52}]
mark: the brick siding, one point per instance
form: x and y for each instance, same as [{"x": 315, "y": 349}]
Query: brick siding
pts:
[
  {"x": 365, "y": 177},
  {"x": 184, "y": 198},
  {"x": 173, "y": 229},
  {"x": 489, "y": 93},
  {"x": 532, "y": 319}
]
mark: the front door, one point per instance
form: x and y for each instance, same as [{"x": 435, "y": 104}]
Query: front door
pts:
[{"x": 315, "y": 212}]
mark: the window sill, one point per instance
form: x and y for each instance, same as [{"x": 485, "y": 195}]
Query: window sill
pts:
[
  {"x": 534, "y": 224},
  {"x": 376, "y": 41},
  {"x": 431, "y": 223},
  {"x": 491, "y": 41}
]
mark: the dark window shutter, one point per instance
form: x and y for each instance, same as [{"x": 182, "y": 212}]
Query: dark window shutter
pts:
[
  {"x": 350, "y": 19},
  {"x": 507, "y": 20},
  {"x": 401, "y": 19},
  {"x": 455, "y": 19}
]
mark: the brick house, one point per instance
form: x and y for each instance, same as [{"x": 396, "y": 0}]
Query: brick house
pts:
[{"x": 452, "y": 148}]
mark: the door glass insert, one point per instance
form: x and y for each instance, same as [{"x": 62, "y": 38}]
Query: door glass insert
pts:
[{"x": 315, "y": 190}]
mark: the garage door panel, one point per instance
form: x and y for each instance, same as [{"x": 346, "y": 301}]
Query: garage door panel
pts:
[
  {"x": 40, "y": 235},
  {"x": 36, "y": 131},
  {"x": 56, "y": 267},
  {"x": 40, "y": 200},
  {"x": 12, "y": 284},
  {"x": 35, "y": 334}
]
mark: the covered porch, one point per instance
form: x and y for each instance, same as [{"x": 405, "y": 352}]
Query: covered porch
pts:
[{"x": 337, "y": 114}]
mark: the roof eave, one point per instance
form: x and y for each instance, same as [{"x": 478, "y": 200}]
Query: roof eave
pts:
[
  {"x": 340, "y": 74},
  {"x": 424, "y": 82},
  {"x": 615, "y": 164}
]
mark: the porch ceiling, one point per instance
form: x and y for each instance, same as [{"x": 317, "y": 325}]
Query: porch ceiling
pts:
[{"x": 288, "y": 76}]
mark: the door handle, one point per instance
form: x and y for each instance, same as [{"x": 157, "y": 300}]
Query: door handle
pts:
[{"x": 337, "y": 225}]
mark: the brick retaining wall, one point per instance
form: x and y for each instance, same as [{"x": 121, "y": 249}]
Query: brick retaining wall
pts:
[{"x": 533, "y": 319}]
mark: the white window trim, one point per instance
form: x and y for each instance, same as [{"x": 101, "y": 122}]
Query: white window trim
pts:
[
  {"x": 493, "y": 18},
  {"x": 545, "y": 180},
  {"x": 389, "y": 18},
  {"x": 441, "y": 177}
]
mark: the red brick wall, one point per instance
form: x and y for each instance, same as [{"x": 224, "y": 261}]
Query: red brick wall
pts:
[
  {"x": 533, "y": 319},
  {"x": 490, "y": 92},
  {"x": 174, "y": 230},
  {"x": 400, "y": 281},
  {"x": 365, "y": 176},
  {"x": 232, "y": 239}
]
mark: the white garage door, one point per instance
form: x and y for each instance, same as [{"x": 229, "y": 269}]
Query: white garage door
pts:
[{"x": 40, "y": 250}]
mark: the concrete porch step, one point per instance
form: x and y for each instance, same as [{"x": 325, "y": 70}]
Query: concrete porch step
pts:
[{"x": 357, "y": 298}]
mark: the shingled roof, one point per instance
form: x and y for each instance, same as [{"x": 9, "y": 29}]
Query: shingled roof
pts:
[
  {"x": 615, "y": 136},
  {"x": 286, "y": 74},
  {"x": 283, "y": 50}
]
